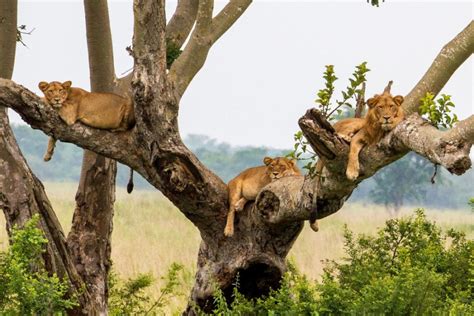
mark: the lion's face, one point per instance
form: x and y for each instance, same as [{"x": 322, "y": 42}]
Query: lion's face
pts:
[
  {"x": 280, "y": 167},
  {"x": 385, "y": 110},
  {"x": 55, "y": 92}
]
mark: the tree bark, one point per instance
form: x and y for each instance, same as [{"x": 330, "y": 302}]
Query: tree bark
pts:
[
  {"x": 90, "y": 235},
  {"x": 266, "y": 230},
  {"x": 21, "y": 194}
]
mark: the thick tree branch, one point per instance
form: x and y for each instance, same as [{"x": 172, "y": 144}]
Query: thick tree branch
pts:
[
  {"x": 8, "y": 28},
  {"x": 227, "y": 17},
  {"x": 99, "y": 45},
  {"x": 453, "y": 55},
  {"x": 447, "y": 148},
  {"x": 182, "y": 22}
]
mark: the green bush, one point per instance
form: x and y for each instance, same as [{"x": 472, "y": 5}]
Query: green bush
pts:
[
  {"x": 408, "y": 268},
  {"x": 25, "y": 286},
  {"x": 130, "y": 297}
]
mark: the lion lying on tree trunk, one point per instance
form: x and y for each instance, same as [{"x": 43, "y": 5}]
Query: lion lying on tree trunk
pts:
[{"x": 384, "y": 114}]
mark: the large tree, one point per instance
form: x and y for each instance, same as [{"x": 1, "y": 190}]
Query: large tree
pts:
[{"x": 266, "y": 230}]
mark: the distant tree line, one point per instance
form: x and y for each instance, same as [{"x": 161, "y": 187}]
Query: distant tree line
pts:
[{"x": 406, "y": 182}]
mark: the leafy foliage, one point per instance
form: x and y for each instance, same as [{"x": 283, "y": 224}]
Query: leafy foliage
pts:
[
  {"x": 375, "y": 3},
  {"x": 471, "y": 203},
  {"x": 439, "y": 112},
  {"x": 406, "y": 269},
  {"x": 130, "y": 297},
  {"x": 352, "y": 90},
  {"x": 25, "y": 286},
  {"x": 409, "y": 267},
  {"x": 172, "y": 53},
  {"x": 302, "y": 149}
]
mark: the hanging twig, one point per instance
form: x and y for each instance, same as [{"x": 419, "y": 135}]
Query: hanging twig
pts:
[{"x": 434, "y": 174}]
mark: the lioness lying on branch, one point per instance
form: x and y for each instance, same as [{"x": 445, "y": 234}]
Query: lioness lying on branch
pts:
[
  {"x": 246, "y": 186},
  {"x": 99, "y": 110}
]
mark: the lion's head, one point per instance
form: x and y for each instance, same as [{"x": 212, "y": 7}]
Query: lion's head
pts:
[
  {"x": 279, "y": 167},
  {"x": 55, "y": 92},
  {"x": 385, "y": 111}
]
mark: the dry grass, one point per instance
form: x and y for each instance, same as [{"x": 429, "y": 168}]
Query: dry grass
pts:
[{"x": 150, "y": 233}]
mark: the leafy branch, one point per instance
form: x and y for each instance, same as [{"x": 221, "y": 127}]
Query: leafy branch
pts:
[
  {"x": 375, "y": 3},
  {"x": 438, "y": 112},
  {"x": 302, "y": 149}
]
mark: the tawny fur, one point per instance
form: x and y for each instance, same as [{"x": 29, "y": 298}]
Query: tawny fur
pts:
[
  {"x": 246, "y": 186},
  {"x": 99, "y": 110},
  {"x": 385, "y": 112}
]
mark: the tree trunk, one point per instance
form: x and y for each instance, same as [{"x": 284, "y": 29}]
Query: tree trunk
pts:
[
  {"x": 89, "y": 238},
  {"x": 21, "y": 194}
]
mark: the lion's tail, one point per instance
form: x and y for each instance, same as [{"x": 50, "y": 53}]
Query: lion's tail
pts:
[{"x": 130, "y": 182}]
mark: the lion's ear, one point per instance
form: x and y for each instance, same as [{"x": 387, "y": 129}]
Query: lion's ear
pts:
[
  {"x": 267, "y": 160},
  {"x": 67, "y": 84},
  {"x": 398, "y": 100},
  {"x": 373, "y": 101},
  {"x": 43, "y": 85}
]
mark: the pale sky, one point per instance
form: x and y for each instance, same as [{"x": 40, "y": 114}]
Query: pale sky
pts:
[{"x": 263, "y": 74}]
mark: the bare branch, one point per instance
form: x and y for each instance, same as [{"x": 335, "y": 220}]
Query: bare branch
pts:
[
  {"x": 360, "y": 106},
  {"x": 195, "y": 53},
  {"x": 453, "y": 55},
  {"x": 181, "y": 23},
  {"x": 388, "y": 87},
  {"x": 227, "y": 17},
  {"x": 205, "y": 34}
]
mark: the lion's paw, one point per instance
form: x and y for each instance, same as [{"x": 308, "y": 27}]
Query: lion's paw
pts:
[
  {"x": 345, "y": 137},
  {"x": 229, "y": 231},
  {"x": 352, "y": 174}
]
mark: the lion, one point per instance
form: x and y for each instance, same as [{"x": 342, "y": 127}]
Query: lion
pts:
[
  {"x": 99, "y": 110},
  {"x": 246, "y": 186},
  {"x": 384, "y": 114}
]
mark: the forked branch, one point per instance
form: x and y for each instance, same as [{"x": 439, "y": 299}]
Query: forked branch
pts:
[{"x": 205, "y": 34}]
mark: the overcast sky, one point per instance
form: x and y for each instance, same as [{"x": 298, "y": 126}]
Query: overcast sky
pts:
[{"x": 264, "y": 73}]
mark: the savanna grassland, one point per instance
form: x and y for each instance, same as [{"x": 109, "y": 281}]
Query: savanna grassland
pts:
[{"x": 150, "y": 234}]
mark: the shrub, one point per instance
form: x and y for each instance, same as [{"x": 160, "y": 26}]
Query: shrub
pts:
[
  {"x": 25, "y": 285},
  {"x": 130, "y": 297},
  {"x": 408, "y": 267}
]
